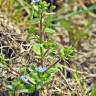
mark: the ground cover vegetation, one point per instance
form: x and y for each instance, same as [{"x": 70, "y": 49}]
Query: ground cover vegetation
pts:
[{"x": 47, "y": 48}]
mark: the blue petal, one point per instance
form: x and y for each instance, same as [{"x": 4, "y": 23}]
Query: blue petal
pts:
[
  {"x": 34, "y": 1},
  {"x": 40, "y": 68},
  {"x": 24, "y": 79}
]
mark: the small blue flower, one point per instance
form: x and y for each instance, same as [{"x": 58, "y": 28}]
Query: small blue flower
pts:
[
  {"x": 34, "y": 1},
  {"x": 40, "y": 68},
  {"x": 24, "y": 79}
]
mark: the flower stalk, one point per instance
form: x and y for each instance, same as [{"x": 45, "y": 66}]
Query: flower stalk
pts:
[{"x": 41, "y": 37}]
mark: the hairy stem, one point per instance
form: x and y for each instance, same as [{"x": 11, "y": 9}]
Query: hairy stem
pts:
[
  {"x": 53, "y": 64},
  {"x": 41, "y": 36}
]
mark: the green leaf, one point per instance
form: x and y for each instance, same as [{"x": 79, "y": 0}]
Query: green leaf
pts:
[
  {"x": 37, "y": 48},
  {"x": 2, "y": 65},
  {"x": 2, "y": 59},
  {"x": 35, "y": 21},
  {"x": 77, "y": 78},
  {"x": 66, "y": 24},
  {"x": 44, "y": 76},
  {"x": 31, "y": 30},
  {"x": 52, "y": 7},
  {"x": 49, "y": 30},
  {"x": 23, "y": 91},
  {"x": 17, "y": 85},
  {"x": 35, "y": 7},
  {"x": 10, "y": 87},
  {"x": 62, "y": 55},
  {"x": 31, "y": 70},
  {"x": 93, "y": 92},
  {"x": 39, "y": 87},
  {"x": 52, "y": 70},
  {"x": 31, "y": 80},
  {"x": 67, "y": 53},
  {"x": 49, "y": 44},
  {"x": 47, "y": 21},
  {"x": 33, "y": 73},
  {"x": 43, "y": 5},
  {"x": 59, "y": 66}
]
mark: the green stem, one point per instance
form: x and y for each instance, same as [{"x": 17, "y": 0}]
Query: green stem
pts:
[
  {"x": 41, "y": 36},
  {"x": 41, "y": 28}
]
